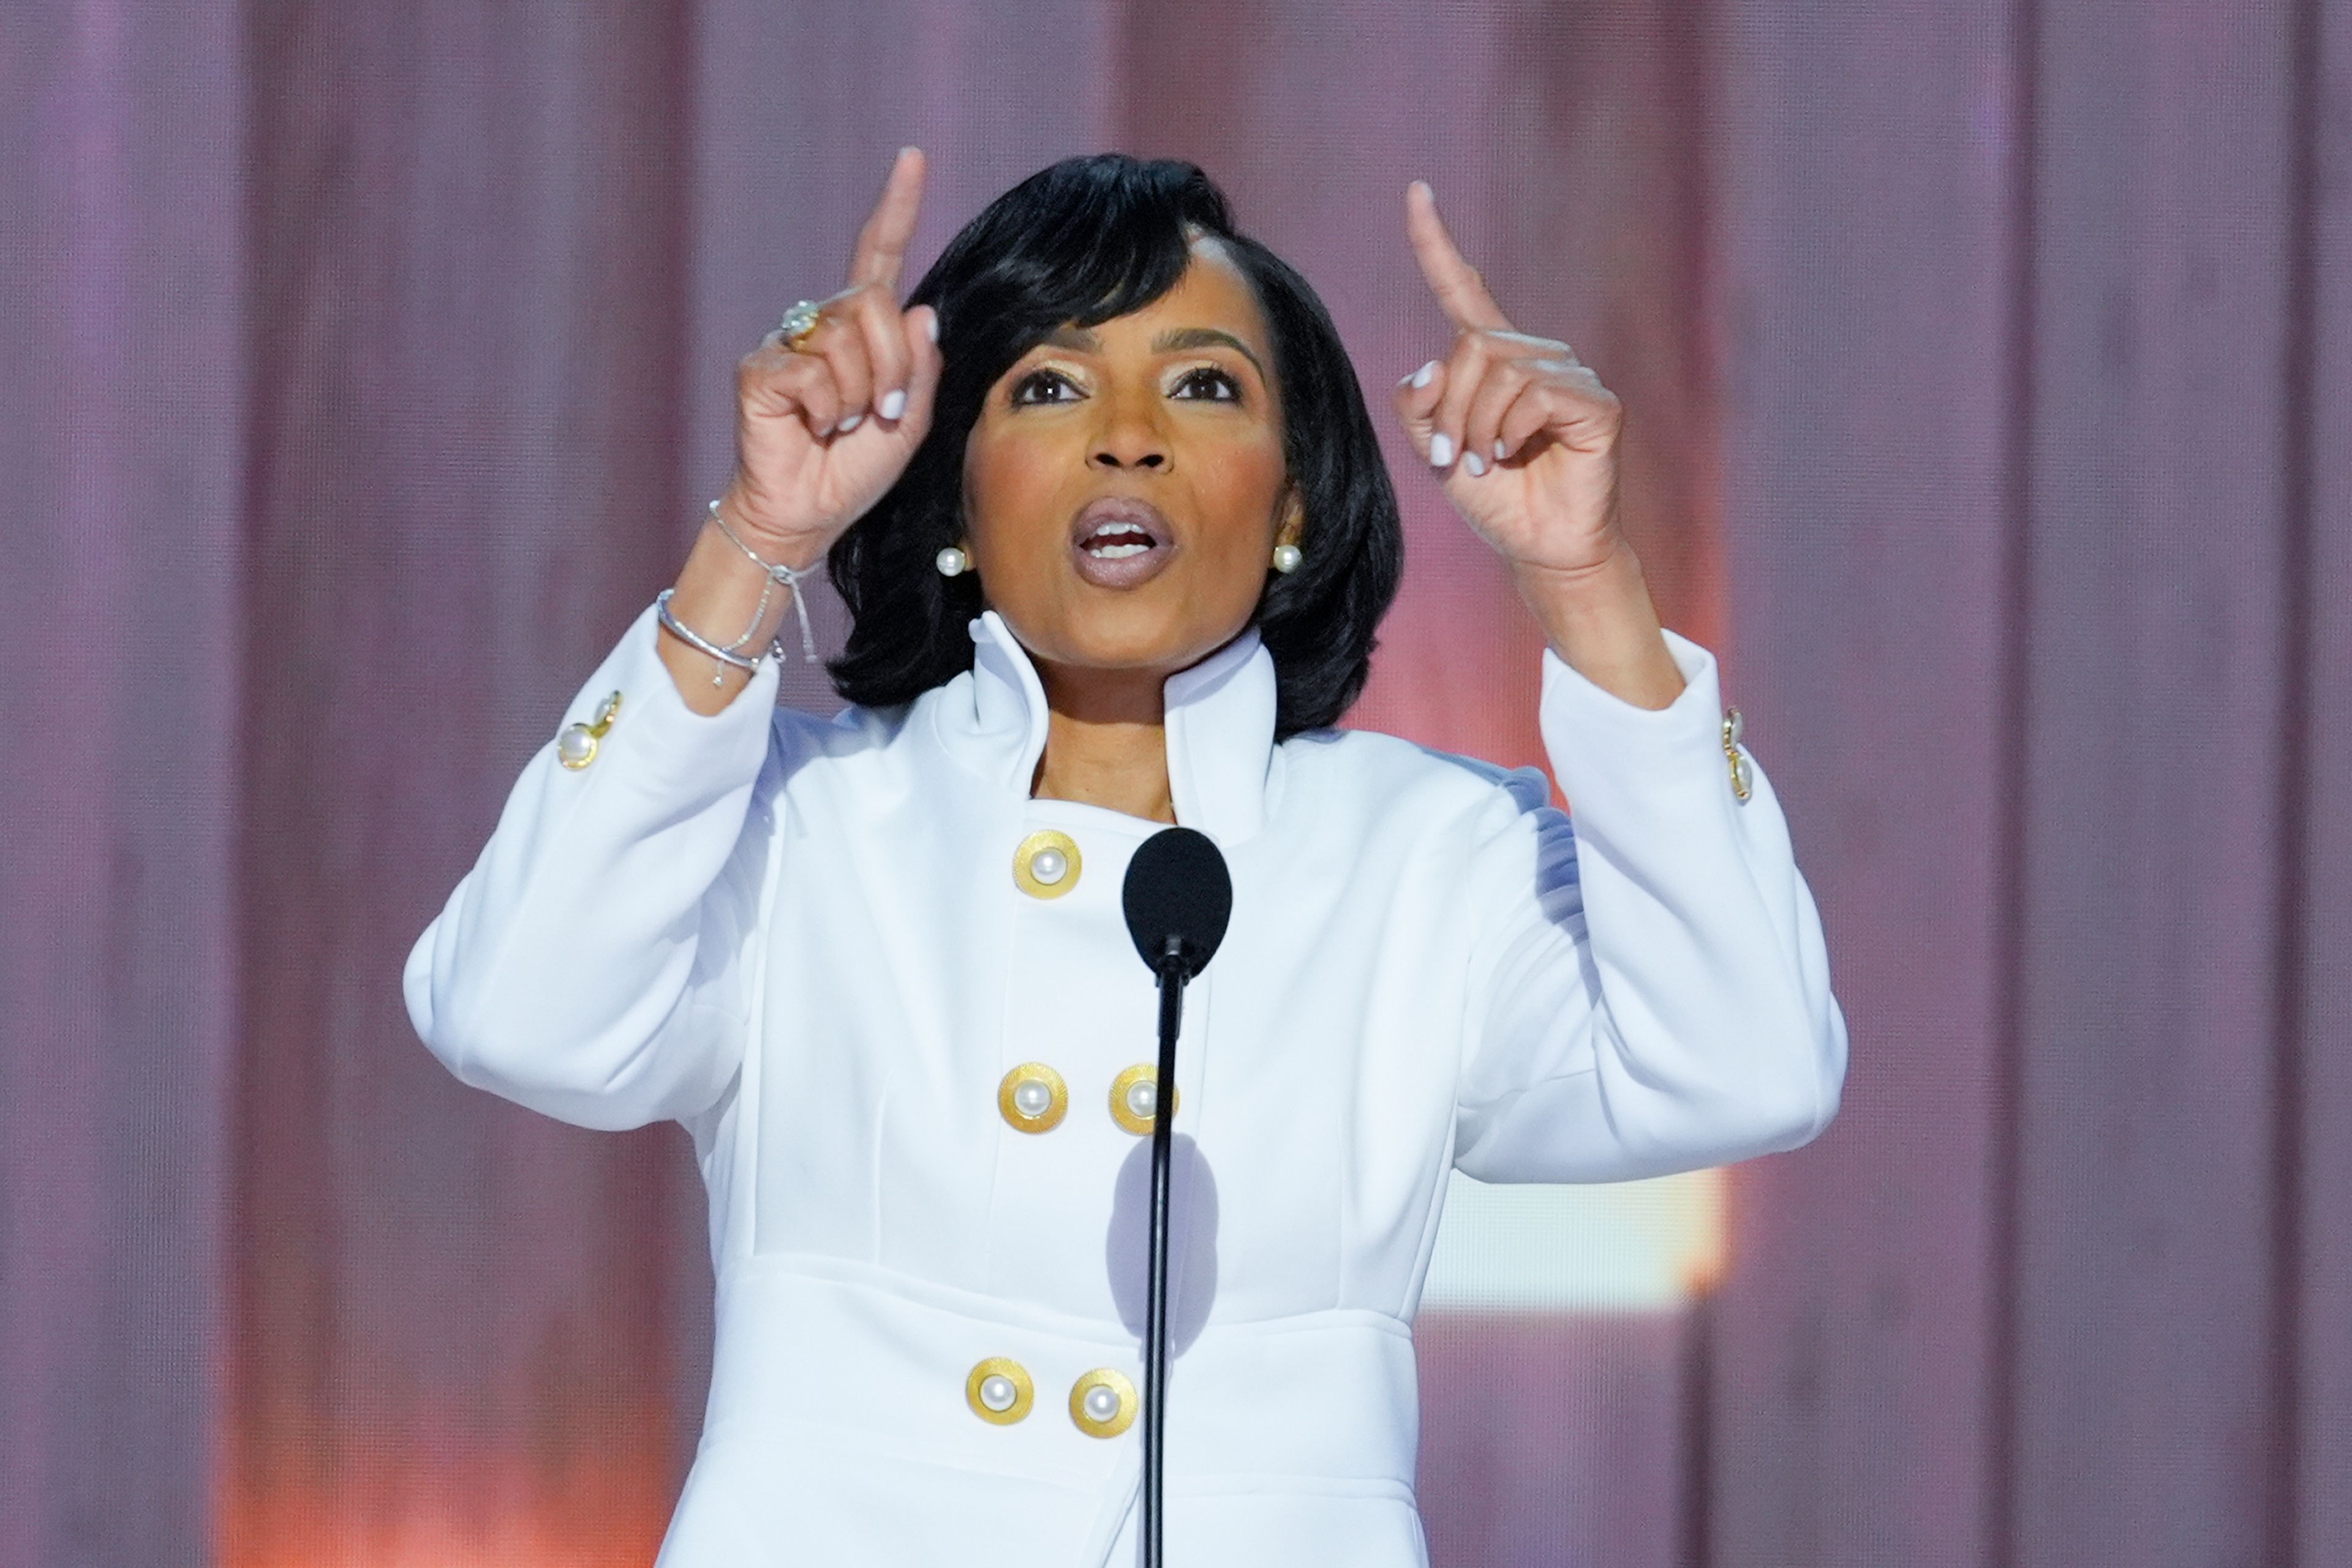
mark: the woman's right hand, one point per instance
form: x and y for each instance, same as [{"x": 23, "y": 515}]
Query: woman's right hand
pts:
[{"x": 823, "y": 431}]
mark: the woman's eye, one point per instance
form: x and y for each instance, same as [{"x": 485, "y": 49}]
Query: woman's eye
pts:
[
  {"x": 1044, "y": 386},
  {"x": 1208, "y": 382}
]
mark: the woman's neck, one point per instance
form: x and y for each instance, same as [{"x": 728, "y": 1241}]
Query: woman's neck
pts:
[{"x": 1106, "y": 742}]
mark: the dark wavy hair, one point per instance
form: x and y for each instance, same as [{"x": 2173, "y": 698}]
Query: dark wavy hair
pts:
[{"x": 1081, "y": 242}]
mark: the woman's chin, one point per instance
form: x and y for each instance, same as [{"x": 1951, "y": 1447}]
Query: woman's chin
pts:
[{"x": 1127, "y": 637}]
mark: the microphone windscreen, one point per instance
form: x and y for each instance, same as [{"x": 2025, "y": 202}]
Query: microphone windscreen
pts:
[{"x": 1178, "y": 886}]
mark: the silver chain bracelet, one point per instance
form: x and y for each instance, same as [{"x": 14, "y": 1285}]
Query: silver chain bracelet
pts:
[
  {"x": 700, "y": 643},
  {"x": 787, "y": 577}
]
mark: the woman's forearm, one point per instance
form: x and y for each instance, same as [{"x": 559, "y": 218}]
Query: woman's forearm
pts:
[{"x": 1604, "y": 623}]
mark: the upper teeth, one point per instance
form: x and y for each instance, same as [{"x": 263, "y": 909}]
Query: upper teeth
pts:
[{"x": 1114, "y": 538}]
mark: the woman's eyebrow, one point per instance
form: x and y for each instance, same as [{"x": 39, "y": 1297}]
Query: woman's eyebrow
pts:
[{"x": 1176, "y": 338}]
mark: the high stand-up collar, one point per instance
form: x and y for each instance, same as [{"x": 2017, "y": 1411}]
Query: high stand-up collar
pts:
[{"x": 1219, "y": 717}]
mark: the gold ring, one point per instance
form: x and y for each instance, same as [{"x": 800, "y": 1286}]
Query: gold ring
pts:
[{"x": 800, "y": 324}]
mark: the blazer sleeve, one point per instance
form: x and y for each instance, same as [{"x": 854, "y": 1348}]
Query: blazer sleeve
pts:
[
  {"x": 1648, "y": 987},
  {"x": 591, "y": 966}
]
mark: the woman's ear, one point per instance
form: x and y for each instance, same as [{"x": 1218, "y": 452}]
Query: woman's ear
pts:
[{"x": 1293, "y": 512}]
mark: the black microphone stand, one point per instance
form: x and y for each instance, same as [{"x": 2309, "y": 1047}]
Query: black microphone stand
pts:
[
  {"x": 1177, "y": 898},
  {"x": 1171, "y": 971}
]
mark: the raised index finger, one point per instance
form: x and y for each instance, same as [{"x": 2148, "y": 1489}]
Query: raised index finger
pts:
[
  {"x": 1461, "y": 292},
  {"x": 882, "y": 243}
]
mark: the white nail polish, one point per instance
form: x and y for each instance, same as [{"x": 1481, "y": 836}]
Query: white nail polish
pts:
[
  {"x": 1441, "y": 450},
  {"x": 894, "y": 404},
  {"x": 931, "y": 325},
  {"x": 1501, "y": 452},
  {"x": 1420, "y": 377},
  {"x": 846, "y": 425},
  {"x": 1473, "y": 464}
]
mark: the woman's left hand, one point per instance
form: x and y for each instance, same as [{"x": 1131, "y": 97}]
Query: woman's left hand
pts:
[
  {"x": 1521, "y": 432},
  {"x": 1524, "y": 437}
]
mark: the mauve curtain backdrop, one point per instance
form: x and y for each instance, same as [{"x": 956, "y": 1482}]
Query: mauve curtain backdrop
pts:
[{"x": 1987, "y": 367}]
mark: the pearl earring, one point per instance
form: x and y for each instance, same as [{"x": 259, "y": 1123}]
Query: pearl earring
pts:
[
  {"x": 952, "y": 562},
  {"x": 1287, "y": 557}
]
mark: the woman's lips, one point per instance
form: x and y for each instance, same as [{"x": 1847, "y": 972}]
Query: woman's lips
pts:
[{"x": 1119, "y": 541}]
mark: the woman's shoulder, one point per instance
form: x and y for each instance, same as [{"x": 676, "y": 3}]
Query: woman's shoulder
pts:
[
  {"x": 859, "y": 744},
  {"x": 1386, "y": 774},
  {"x": 798, "y": 737}
]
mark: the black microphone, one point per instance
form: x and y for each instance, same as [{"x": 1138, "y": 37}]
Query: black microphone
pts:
[{"x": 1179, "y": 899}]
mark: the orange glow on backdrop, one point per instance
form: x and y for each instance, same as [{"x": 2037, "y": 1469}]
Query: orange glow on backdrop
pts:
[{"x": 593, "y": 1492}]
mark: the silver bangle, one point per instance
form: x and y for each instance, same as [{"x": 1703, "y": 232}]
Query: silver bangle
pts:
[
  {"x": 787, "y": 577},
  {"x": 696, "y": 641}
]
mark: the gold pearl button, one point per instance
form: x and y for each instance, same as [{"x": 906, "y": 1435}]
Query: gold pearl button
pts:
[
  {"x": 1032, "y": 1097},
  {"x": 577, "y": 746},
  {"x": 1135, "y": 1098},
  {"x": 999, "y": 1391},
  {"x": 1103, "y": 1402},
  {"x": 1742, "y": 780},
  {"x": 1046, "y": 865}
]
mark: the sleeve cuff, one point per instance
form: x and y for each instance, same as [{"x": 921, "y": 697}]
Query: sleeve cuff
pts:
[
  {"x": 1601, "y": 744},
  {"x": 654, "y": 736}
]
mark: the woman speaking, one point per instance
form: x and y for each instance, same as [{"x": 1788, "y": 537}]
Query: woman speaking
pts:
[{"x": 1115, "y": 535}]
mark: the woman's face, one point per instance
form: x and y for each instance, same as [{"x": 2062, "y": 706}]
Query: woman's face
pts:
[{"x": 1124, "y": 486}]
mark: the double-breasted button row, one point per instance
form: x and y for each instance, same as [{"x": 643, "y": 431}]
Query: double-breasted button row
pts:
[
  {"x": 1032, "y": 1097},
  {"x": 1102, "y": 1402}
]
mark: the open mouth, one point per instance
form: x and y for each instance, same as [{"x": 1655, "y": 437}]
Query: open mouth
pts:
[
  {"x": 1119, "y": 541},
  {"x": 1115, "y": 542}
]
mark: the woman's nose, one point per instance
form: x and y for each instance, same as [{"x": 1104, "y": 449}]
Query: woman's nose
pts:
[{"x": 1128, "y": 437}]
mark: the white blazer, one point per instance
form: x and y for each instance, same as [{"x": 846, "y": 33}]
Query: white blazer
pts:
[{"x": 898, "y": 1033}]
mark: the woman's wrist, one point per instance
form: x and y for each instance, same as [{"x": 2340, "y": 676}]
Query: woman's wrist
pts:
[
  {"x": 727, "y": 601},
  {"x": 798, "y": 550},
  {"x": 1600, "y": 621}
]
